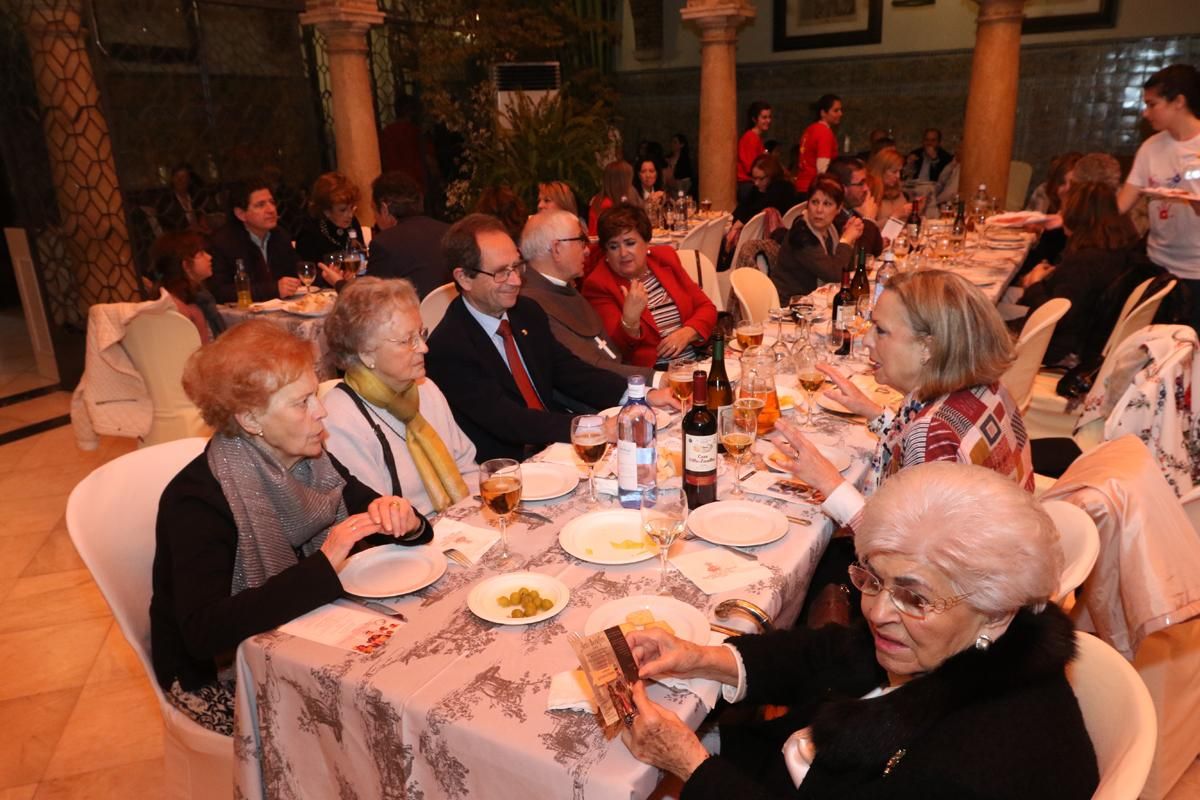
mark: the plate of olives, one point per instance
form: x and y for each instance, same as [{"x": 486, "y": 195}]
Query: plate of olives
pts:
[{"x": 518, "y": 598}]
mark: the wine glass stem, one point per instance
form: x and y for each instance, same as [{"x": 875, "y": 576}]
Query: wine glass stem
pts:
[
  {"x": 663, "y": 553},
  {"x": 504, "y": 536},
  {"x": 592, "y": 483},
  {"x": 737, "y": 474}
]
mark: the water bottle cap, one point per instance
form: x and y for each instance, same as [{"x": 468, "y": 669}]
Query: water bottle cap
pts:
[{"x": 637, "y": 386}]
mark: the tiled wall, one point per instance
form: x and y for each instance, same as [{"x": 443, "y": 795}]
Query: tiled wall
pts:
[{"x": 1072, "y": 96}]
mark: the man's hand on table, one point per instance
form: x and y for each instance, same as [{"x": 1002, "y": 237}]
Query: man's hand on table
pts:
[
  {"x": 659, "y": 738},
  {"x": 289, "y": 285}
]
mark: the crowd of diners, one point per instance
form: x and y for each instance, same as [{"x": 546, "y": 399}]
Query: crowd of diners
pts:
[{"x": 946, "y": 679}]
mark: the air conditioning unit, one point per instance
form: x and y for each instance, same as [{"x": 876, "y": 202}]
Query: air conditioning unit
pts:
[{"x": 535, "y": 80}]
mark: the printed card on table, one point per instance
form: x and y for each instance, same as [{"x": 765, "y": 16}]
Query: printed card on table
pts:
[{"x": 344, "y": 627}]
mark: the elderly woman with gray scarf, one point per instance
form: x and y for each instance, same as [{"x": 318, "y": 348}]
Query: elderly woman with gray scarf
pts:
[{"x": 252, "y": 533}]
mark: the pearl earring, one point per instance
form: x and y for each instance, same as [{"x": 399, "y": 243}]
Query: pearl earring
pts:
[{"x": 983, "y": 642}]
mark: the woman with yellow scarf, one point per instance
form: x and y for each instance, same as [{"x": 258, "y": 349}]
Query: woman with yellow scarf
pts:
[{"x": 389, "y": 424}]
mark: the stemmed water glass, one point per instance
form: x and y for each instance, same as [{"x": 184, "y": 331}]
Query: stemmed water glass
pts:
[
  {"x": 500, "y": 488},
  {"x": 810, "y": 379},
  {"x": 590, "y": 443},
  {"x": 737, "y": 425},
  {"x": 307, "y": 272},
  {"x": 663, "y": 520}
]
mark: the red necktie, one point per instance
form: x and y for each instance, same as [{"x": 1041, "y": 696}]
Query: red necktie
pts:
[{"x": 518, "y": 369}]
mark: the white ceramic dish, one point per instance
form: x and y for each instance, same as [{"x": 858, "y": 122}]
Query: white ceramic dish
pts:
[
  {"x": 390, "y": 570},
  {"x": 661, "y": 418},
  {"x": 541, "y": 480},
  {"x": 687, "y": 621},
  {"x": 484, "y": 597},
  {"x": 592, "y": 537},
  {"x": 738, "y": 523}
]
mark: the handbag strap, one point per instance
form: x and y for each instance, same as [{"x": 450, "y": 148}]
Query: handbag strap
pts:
[
  {"x": 699, "y": 271},
  {"x": 388, "y": 458}
]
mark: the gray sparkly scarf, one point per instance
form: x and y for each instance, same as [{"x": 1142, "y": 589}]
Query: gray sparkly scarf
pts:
[{"x": 277, "y": 511}]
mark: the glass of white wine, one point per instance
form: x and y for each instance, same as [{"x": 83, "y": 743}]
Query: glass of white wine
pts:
[
  {"x": 307, "y": 272},
  {"x": 500, "y": 488},
  {"x": 737, "y": 425},
  {"x": 590, "y": 443},
  {"x": 663, "y": 521},
  {"x": 810, "y": 379}
]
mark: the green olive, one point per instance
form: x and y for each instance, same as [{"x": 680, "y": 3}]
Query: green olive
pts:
[
  {"x": 546, "y": 604},
  {"x": 517, "y": 613},
  {"x": 503, "y": 601},
  {"x": 515, "y": 598}
]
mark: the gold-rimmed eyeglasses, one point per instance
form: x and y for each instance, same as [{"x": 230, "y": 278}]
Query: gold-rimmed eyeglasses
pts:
[
  {"x": 502, "y": 274},
  {"x": 412, "y": 341},
  {"x": 905, "y": 600}
]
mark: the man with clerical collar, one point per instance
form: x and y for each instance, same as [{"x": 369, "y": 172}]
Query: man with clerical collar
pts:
[{"x": 254, "y": 237}]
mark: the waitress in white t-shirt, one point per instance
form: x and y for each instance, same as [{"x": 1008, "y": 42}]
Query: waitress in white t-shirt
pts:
[{"x": 1170, "y": 159}]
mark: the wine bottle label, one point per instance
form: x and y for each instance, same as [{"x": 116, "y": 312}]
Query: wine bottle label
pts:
[
  {"x": 845, "y": 314},
  {"x": 700, "y": 453}
]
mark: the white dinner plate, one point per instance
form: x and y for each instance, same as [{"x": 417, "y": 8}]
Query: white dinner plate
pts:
[
  {"x": 687, "y": 621},
  {"x": 391, "y": 569},
  {"x": 595, "y": 537},
  {"x": 878, "y": 392},
  {"x": 829, "y": 404},
  {"x": 733, "y": 367},
  {"x": 661, "y": 418},
  {"x": 738, "y": 523},
  {"x": 326, "y": 303},
  {"x": 541, "y": 480},
  {"x": 839, "y": 458},
  {"x": 485, "y": 596}
]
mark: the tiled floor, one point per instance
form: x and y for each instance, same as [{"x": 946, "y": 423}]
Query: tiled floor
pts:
[
  {"x": 18, "y": 370},
  {"x": 76, "y": 709}
]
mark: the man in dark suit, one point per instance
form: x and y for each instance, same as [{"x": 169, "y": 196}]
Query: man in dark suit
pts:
[
  {"x": 852, "y": 173},
  {"x": 554, "y": 243},
  {"x": 255, "y": 238},
  {"x": 494, "y": 357},
  {"x": 927, "y": 161},
  {"x": 408, "y": 244}
]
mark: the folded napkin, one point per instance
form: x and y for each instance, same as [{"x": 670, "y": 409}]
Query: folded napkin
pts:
[
  {"x": 569, "y": 691},
  {"x": 470, "y": 540},
  {"x": 715, "y": 570},
  {"x": 561, "y": 453}
]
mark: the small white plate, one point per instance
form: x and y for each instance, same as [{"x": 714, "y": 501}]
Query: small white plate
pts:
[
  {"x": 391, "y": 569},
  {"x": 484, "y": 596},
  {"x": 592, "y": 536},
  {"x": 544, "y": 481},
  {"x": 687, "y": 621},
  {"x": 661, "y": 418},
  {"x": 839, "y": 458},
  {"x": 326, "y": 301},
  {"x": 738, "y": 523},
  {"x": 878, "y": 392},
  {"x": 829, "y": 404}
]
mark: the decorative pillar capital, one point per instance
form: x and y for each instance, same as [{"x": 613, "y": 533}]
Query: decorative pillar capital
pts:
[
  {"x": 718, "y": 21},
  {"x": 991, "y": 11},
  {"x": 343, "y": 23}
]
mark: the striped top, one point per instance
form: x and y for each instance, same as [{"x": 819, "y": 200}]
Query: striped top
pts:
[{"x": 663, "y": 309}]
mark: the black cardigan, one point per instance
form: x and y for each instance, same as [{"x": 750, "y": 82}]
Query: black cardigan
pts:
[
  {"x": 997, "y": 724},
  {"x": 194, "y": 622}
]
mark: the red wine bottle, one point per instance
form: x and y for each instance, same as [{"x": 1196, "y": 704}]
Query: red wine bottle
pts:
[{"x": 700, "y": 446}]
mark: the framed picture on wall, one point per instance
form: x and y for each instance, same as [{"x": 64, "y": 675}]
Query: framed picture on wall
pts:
[
  {"x": 1053, "y": 16},
  {"x": 808, "y": 24}
]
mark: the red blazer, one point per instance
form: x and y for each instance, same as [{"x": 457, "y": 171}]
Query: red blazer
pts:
[{"x": 602, "y": 288}]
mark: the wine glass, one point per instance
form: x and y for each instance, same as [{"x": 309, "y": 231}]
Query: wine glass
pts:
[
  {"x": 307, "y": 272},
  {"x": 587, "y": 436},
  {"x": 663, "y": 520},
  {"x": 833, "y": 342},
  {"x": 500, "y": 488},
  {"x": 749, "y": 334},
  {"x": 810, "y": 379},
  {"x": 779, "y": 346},
  {"x": 680, "y": 377},
  {"x": 737, "y": 425},
  {"x": 862, "y": 324}
]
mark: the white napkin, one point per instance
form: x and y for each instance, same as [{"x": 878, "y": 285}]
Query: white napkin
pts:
[
  {"x": 715, "y": 570},
  {"x": 469, "y": 540},
  {"x": 561, "y": 453},
  {"x": 570, "y": 691}
]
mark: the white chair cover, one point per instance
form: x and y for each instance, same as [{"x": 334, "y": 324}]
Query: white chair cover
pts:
[
  {"x": 751, "y": 231},
  {"x": 1031, "y": 348},
  {"x": 755, "y": 292},
  {"x": 434, "y": 306},
  {"x": 159, "y": 346},
  {"x": 700, "y": 269},
  {"x": 793, "y": 214},
  {"x": 1080, "y": 544}
]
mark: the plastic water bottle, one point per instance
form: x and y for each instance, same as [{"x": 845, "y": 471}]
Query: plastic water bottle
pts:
[
  {"x": 637, "y": 454},
  {"x": 356, "y": 255},
  {"x": 886, "y": 270}
]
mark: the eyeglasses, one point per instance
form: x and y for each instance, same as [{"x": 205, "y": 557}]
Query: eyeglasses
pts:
[
  {"x": 905, "y": 600},
  {"x": 504, "y": 273},
  {"x": 582, "y": 239},
  {"x": 412, "y": 341}
]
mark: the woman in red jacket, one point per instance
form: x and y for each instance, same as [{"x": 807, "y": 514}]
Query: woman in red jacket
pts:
[{"x": 650, "y": 307}]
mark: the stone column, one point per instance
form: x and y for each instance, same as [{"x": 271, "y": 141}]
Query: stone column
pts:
[
  {"x": 717, "y": 22},
  {"x": 92, "y": 226},
  {"x": 344, "y": 24},
  {"x": 992, "y": 98}
]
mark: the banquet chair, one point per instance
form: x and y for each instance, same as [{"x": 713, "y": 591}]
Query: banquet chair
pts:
[
  {"x": 325, "y": 387},
  {"x": 714, "y": 234},
  {"x": 434, "y": 306},
  {"x": 751, "y": 231},
  {"x": 700, "y": 269},
  {"x": 755, "y": 292},
  {"x": 1080, "y": 545},
  {"x": 1046, "y": 415},
  {"x": 1118, "y": 715},
  {"x": 1031, "y": 349},
  {"x": 111, "y": 521},
  {"x": 793, "y": 214},
  {"x": 159, "y": 345},
  {"x": 694, "y": 238}
]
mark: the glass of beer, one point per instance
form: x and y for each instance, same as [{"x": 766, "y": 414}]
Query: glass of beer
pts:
[
  {"x": 590, "y": 443},
  {"x": 500, "y": 488},
  {"x": 679, "y": 375},
  {"x": 737, "y": 425},
  {"x": 749, "y": 334},
  {"x": 706, "y": 205}
]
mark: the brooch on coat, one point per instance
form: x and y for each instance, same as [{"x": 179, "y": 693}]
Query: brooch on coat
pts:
[{"x": 893, "y": 761}]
